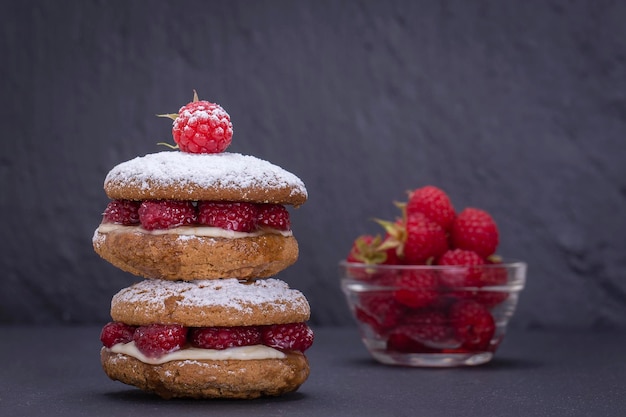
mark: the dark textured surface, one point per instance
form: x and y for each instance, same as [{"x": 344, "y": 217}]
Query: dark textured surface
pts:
[
  {"x": 535, "y": 373},
  {"x": 515, "y": 107}
]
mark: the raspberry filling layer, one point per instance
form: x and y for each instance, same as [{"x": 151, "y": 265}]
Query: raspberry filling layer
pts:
[
  {"x": 160, "y": 343},
  {"x": 161, "y": 215}
]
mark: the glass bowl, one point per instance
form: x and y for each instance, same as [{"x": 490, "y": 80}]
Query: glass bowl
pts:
[{"x": 432, "y": 316}]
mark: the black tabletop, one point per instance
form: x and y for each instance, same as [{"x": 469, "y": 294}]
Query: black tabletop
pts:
[{"x": 55, "y": 371}]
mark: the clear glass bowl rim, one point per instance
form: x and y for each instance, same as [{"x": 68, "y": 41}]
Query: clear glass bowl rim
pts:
[
  {"x": 516, "y": 282},
  {"x": 506, "y": 263}
]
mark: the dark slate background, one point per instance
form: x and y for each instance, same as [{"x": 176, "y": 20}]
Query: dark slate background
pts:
[{"x": 515, "y": 107}]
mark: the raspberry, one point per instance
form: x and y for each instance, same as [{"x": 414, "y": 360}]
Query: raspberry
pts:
[
  {"x": 473, "y": 325},
  {"x": 401, "y": 340},
  {"x": 423, "y": 331},
  {"x": 434, "y": 203},
  {"x": 492, "y": 275},
  {"x": 416, "y": 289},
  {"x": 380, "y": 310},
  {"x": 116, "y": 332},
  {"x": 384, "y": 278},
  {"x": 291, "y": 336},
  {"x": 475, "y": 230},
  {"x": 274, "y": 216},
  {"x": 124, "y": 212},
  {"x": 366, "y": 249},
  {"x": 202, "y": 127},
  {"x": 224, "y": 337},
  {"x": 156, "y": 340},
  {"x": 433, "y": 325},
  {"x": 239, "y": 217},
  {"x": 363, "y": 250},
  {"x": 391, "y": 252},
  {"x": 461, "y": 277},
  {"x": 165, "y": 214},
  {"x": 363, "y": 316},
  {"x": 425, "y": 240}
]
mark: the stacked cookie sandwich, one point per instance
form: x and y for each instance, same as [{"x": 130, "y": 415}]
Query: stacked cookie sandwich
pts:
[{"x": 208, "y": 230}]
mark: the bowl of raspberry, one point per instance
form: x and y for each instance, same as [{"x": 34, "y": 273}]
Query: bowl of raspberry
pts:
[{"x": 431, "y": 290}]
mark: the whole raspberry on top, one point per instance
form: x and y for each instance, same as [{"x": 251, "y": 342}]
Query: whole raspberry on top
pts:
[{"x": 201, "y": 127}]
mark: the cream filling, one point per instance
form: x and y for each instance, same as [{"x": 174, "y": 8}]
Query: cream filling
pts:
[
  {"x": 203, "y": 231},
  {"x": 241, "y": 353}
]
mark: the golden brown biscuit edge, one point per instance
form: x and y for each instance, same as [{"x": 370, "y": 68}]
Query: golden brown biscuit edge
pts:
[{"x": 205, "y": 379}]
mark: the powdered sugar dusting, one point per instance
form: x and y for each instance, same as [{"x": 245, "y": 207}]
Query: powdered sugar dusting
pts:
[
  {"x": 209, "y": 293},
  {"x": 225, "y": 170},
  {"x": 98, "y": 239}
]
